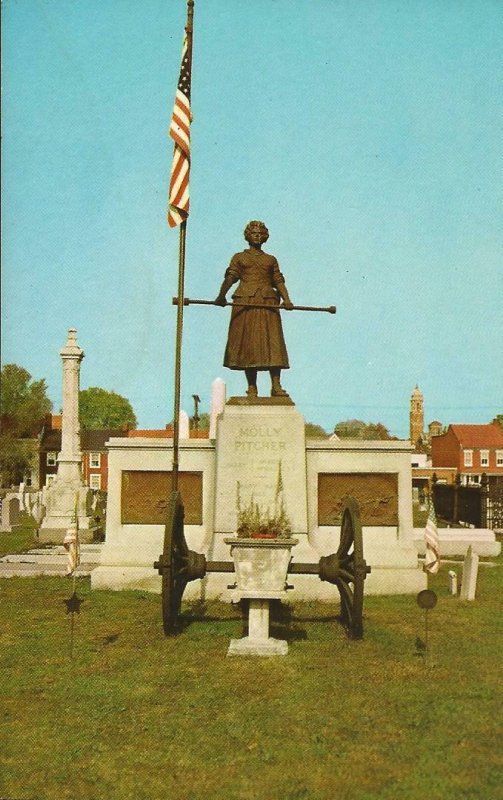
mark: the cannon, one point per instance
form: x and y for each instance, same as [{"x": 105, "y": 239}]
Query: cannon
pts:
[{"x": 346, "y": 568}]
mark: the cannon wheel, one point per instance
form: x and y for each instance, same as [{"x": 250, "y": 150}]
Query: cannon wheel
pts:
[
  {"x": 353, "y": 569},
  {"x": 177, "y": 565},
  {"x": 173, "y": 561},
  {"x": 347, "y": 566}
]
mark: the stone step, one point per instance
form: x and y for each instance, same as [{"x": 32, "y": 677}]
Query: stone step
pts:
[
  {"x": 456, "y": 541},
  {"x": 58, "y": 548},
  {"x": 24, "y": 570},
  {"x": 57, "y": 556}
]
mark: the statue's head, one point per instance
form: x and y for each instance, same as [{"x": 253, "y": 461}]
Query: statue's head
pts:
[{"x": 258, "y": 228}]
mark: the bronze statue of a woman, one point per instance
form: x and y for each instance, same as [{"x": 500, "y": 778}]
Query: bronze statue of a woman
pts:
[{"x": 255, "y": 341}]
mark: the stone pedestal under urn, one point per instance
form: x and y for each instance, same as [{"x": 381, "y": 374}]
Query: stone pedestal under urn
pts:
[{"x": 261, "y": 567}]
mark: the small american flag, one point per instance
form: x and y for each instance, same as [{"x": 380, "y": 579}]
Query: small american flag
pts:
[
  {"x": 432, "y": 559},
  {"x": 71, "y": 542},
  {"x": 179, "y": 130},
  {"x": 72, "y": 546}
]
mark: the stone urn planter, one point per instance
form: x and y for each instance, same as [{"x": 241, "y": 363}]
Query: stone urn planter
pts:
[{"x": 261, "y": 565}]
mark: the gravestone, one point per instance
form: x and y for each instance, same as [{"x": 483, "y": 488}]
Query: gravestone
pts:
[
  {"x": 469, "y": 577},
  {"x": 453, "y": 582},
  {"x": 10, "y": 518},
  {"x": 21, "y": 495}
]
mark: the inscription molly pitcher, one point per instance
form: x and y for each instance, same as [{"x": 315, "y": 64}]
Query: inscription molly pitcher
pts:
[{"x": 259, "y": 438}]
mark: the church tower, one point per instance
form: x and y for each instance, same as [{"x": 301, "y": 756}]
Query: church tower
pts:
[{"x": 416, "y": 416}]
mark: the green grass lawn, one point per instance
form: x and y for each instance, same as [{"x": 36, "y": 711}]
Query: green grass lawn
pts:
[
  {"x": 136, "y": 716},
  {"x": 21, "y": 539}
]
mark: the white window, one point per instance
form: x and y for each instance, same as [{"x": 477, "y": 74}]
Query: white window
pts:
[
  {"x": 468, "y": 458},
  {"x": 95, "y": 460},
  {"x": 484, "y": 458},
  {"x": 52, "y": 459},
  {"x": 95, "y": 481},
  {"x": 499, "y": 458},
  {"x": 49, "y": 479}
]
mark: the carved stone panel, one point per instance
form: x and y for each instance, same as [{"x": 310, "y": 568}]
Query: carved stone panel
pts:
[
  {"x": 376, "y": 493},
  {"x": 145, "y": 494}
]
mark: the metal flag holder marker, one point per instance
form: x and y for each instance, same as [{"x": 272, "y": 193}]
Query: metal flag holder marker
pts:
[
  {"x": 426, "y": 599},
  {"x": 73, "y": 607},
  {"x": 74, "y": 602}
]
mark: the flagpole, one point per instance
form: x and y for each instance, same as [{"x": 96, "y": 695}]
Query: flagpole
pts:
[
  {"x": 181, "y": 292},
  {"x": 178, "y": 355}
]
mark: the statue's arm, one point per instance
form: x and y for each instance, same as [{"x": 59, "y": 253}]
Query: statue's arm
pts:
[
  {"x": 231, "y": 277},
  {"x": 283, "y": 292},
  {"x": 280, "y": 285}
]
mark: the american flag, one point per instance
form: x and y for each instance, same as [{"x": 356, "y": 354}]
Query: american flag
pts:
[
  {"x": 71, "y": 542},
  {"x": 72, "y": 546},
  {"x": 179, "y": 130},
  {"x": 432, "y": 559}
]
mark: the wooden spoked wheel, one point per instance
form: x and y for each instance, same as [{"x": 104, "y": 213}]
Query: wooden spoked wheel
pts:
[
  {"x": 347, "y": 569},
  {"x": 177, "y": 565}
]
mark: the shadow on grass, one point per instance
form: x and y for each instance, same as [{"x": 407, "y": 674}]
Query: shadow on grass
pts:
[
  {"x": 284, "y": 624},
  {"x": 204, "y": 611}
]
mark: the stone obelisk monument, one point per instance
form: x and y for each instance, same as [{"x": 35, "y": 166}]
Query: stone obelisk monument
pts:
[{"x": 67, "y": 494}]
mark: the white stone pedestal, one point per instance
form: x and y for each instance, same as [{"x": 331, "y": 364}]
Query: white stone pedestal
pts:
[
  {"x": 260, "y": 444},
  {"x": 258, "y": 642},
  {"x": 261, "y": 570},
  {"x": 68, "y": 496}
]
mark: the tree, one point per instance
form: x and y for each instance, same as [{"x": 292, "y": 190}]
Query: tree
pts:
[
  {"x": 356, "y": 429},
  {"x": 100, "y": 409},
  {"x": 203, "y": 422},
  {"x": 23, "y": 407},
  {"x": 23, "y": 403},
  {"x": 314, "y": 431},
  {"x": 17, "y": 459},
  {"x": 499, "y": 418}
]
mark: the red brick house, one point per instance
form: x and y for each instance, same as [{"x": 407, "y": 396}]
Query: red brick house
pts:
[
  {"x": 471, "y": 449},
  {"x": 94, "y": 453},
  {"x": 166, "y": 433}
]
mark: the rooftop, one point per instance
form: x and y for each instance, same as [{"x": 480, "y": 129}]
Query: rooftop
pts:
[{"x": 479, "y": 435}]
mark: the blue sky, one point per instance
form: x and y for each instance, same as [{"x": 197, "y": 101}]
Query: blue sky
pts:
[{"x": 366, "y": 135}]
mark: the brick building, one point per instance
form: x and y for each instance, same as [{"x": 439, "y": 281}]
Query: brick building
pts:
[
  {"x": 165, "y": 433},
  {"x": 471, "y": 450},
  {"x": 92, "y": 445}
]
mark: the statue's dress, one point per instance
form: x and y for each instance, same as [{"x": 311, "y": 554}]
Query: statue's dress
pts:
[{"x": 255, "y": 337}]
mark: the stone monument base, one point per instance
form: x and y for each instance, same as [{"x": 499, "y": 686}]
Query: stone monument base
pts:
[
  {"x": 257, "y": 647},
  {"x": 61, "y": 499},
  {"x": 56, "y": 534},
  {"x": 259, "y": 449}
]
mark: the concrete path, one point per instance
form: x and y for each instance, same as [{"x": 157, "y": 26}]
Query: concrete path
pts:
[{"x": 49, "y": 561}]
